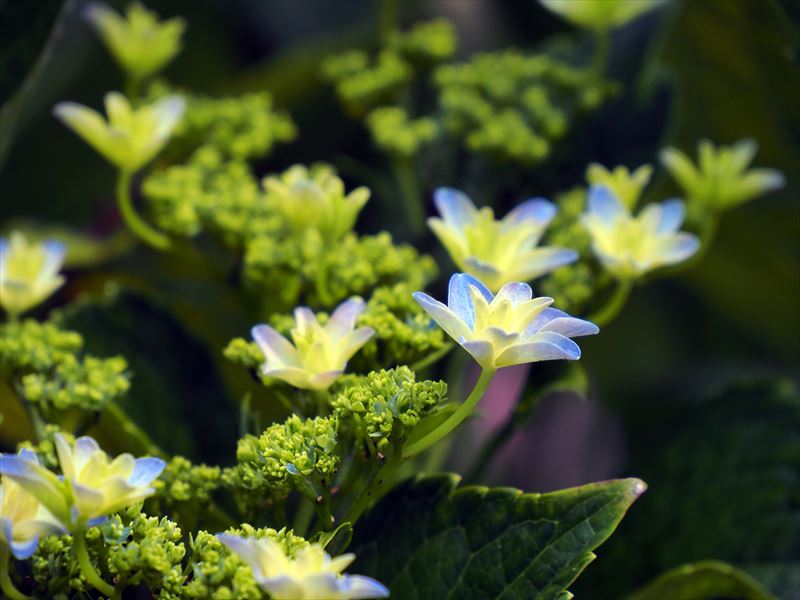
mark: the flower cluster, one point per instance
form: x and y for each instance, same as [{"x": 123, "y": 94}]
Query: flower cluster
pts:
[
  {"x": 512, "y": 106},
  {"x": 385, "y": 406},
  {"x": 298, "y": 454}
]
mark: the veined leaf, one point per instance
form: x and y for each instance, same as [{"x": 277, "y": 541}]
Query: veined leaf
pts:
[
  {"x": 706, "y": 580},
  {"x": 427, "y": 539}
]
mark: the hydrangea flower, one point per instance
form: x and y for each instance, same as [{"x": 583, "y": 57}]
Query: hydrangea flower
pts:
[
  {"x": 140, "y": 44},
  {"x": 311, "y": 574},
  {"x": 23, "y": 519},
  {"x": 507, "y": 329},
  {"x": 621, "y": 182},
  {"x": 600, "y": 14},
  {"x": 722, "y": 177},
  {"x": 497, "y": 251},
  {"x": 315, "y": 198},
  {"x": 630, "y": 246},
  {"x": 319, "y": 353},
  {"x": 28, "y": 272},
  {"x": 131, "y": 137},
  {"x": 92, "y": 486}
]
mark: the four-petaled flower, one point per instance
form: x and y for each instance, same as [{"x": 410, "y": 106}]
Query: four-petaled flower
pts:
[
  {"x": 28, "y": 272},
  {"x": 621, "y": 182},
  {"x": 311, "y": 574},
  {"x": 507, "y": 329},
  {"x": 315, "y": 198},
  {"x": 497, "y": 251},
  {"x": 600, "y": 15},
  {"x": 92, "y": 487},
  {"x": 23, "y": 519},
  {"x": 721, "y": 179},
  {"x": 140, "y": 44},
  {"x": 320, "y": 352},
  {"x": 629, "y": 246},
  {"x": 131, "y": 137}
]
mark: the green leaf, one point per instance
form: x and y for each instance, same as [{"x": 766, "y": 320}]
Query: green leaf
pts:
[
  {"x": 427, "y": 539},
  {"x": 176, "y": 394},
  {"x": 727, "y": 471},
  {"x": 706, "y": 580}
]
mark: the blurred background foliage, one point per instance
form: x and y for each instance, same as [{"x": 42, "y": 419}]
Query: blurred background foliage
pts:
[{"x": 720, "y": 456}]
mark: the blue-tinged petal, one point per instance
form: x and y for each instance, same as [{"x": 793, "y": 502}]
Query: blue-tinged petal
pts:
[
  {"x": 539, "y": 261},
  {"x": 85, "y": 447},
  {"x": 515, "y": 292},
  {"x": 359, "y": 586},
  {"x": 277, "y": 350},
  {"x": 570, "y": 327},
  {"x": 146, "y": 470},
  {"x": 672, "y": 215},
  {"x": 536, "y": 211},
  {"x": 484, "y": 269},
  {"x": 455, "y": 206},
  {"x": 41, "y": 483},
  {"x": 305, "y": 318},
  {"x": 88, "y": 501},
  {"x": 97, "y": 521},
  {"x": 542, "y": 346},
  {"x": 6, "y": 526},
  {"x": 459, "y": 300},
  {"x": 604, "y": 204},
  {"x": 444, "y": 317},
  {"x": 499, "y": 338},
  {"x": 542, "y": 319},
  {"x": 23, "y": 550},
  {"x": 677, "y": 248},
  {"x": 481, "y": 350},
  {"x": 742, "y": 153},
  {"x": 54, "y": 253},
  {"x": 343, "y": 319},
  {"x": 29, "y": 455}
]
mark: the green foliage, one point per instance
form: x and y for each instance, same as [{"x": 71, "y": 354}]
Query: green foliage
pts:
[
  {"x": 303, "y": 270},
  {"x": 706, "y": 580},
  {"x": 428, "y": 540},
  {"x": 395, "y": 133},
  {"x": 30, "y": 346},
  {"x": 384, "y": 406},
  {"x": 727, "y": 461},
  {"x": 211, "y": 193},
  {"x": 130, "y": 548},
  {"x": 184, "y": 491},
  {"x": 45, "y": 448},
  {"x": 513, "y": 106},
  {"x": 298, "y": 454},
  {"x": 403, "y": 332},
  {"x": 428, "y": 41},
  {"x": 85, "y": 384}
]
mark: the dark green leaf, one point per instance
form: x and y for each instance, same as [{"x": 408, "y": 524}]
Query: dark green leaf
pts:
[
  {"x": 707, "y": 580},
  {"x": 427, "y": 539},
  {"x": 176, "y": 394}
]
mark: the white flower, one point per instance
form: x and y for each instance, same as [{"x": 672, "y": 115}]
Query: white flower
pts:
[
  {"x": 320, "y": 353},
  {"x": 630, "y": 246},
  {"x": 507, "y": 329},
  {"x": 497, "y": 251},
  {"x": 28, "y": 272},
  {"x": 311, "y": 575}
]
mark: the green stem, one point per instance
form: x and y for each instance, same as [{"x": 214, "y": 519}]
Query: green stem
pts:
[
  {"x": 614, "y": 305},
  {"x": 302, "y": 518},
  {"x": 135, "y": 223},
  {"x": 455, "y": 419},
  {"x": 411, "y": 196},
  {"x": 601, "y": 51},
  {"x": 87, "y": 568},
  {"x": 6, "y": 585},
  {"x": 376, "y": 488}
]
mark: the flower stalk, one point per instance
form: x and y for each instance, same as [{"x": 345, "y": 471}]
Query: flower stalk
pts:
[
  {"x": 87, "y": 568},
  {"x": 135, "y": 223},
  {"x": 6, "y": 585}
]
